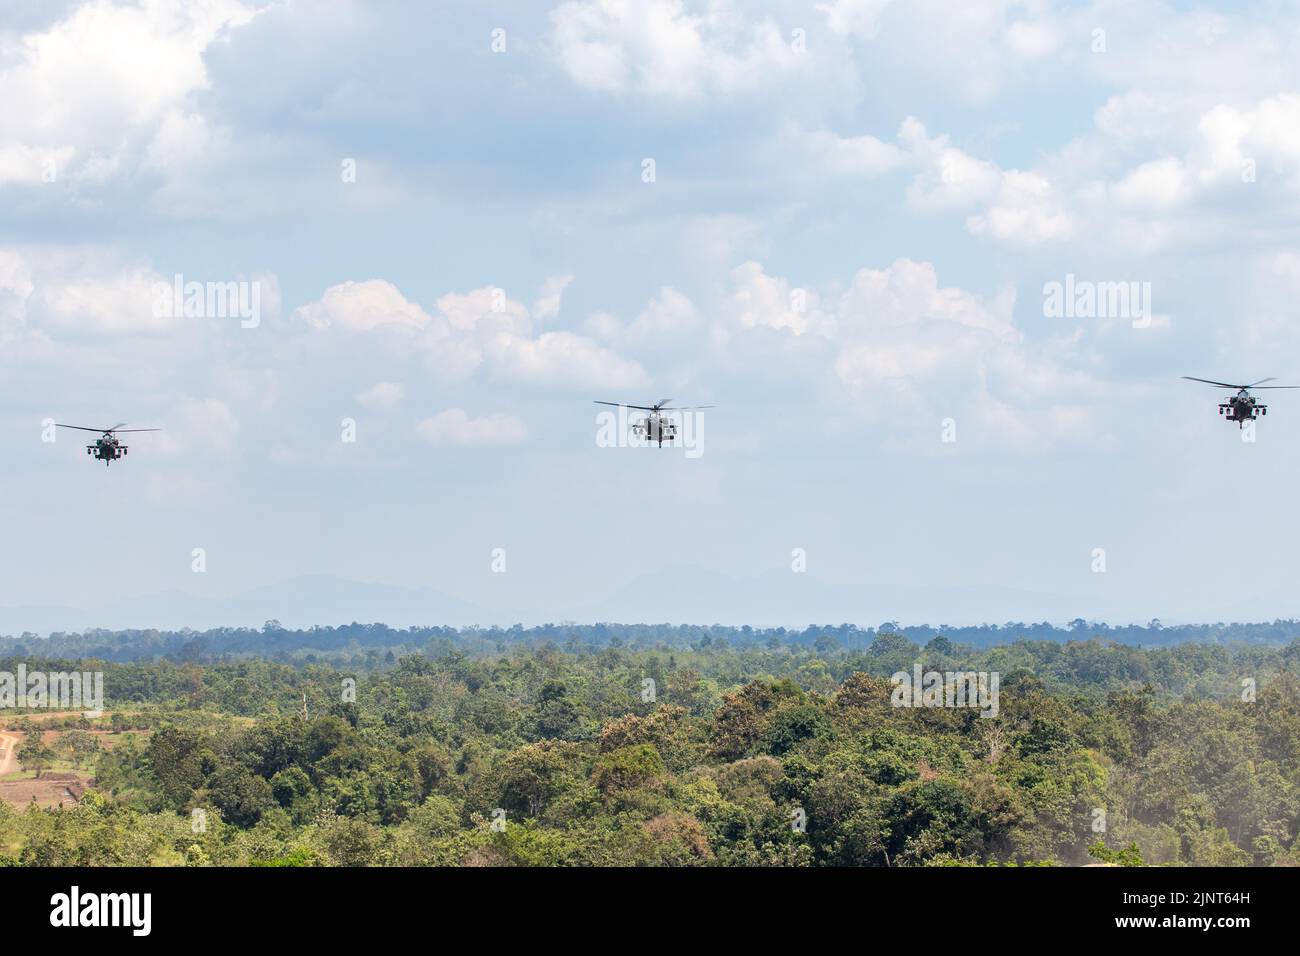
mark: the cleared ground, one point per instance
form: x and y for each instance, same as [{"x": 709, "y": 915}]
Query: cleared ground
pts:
[{"x": 61, "y": 784}]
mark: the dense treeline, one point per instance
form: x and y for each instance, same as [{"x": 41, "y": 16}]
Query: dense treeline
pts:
[
  {"x": 254, "y": 686},
  {"x": 708, "y": 755},
  {"x": 277, "y": 643}
]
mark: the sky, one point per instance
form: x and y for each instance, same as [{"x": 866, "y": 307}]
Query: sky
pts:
[{"x": 842, "y": 224}]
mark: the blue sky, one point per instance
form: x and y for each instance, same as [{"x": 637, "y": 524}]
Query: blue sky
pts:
[{"x": 855, "y": 208}]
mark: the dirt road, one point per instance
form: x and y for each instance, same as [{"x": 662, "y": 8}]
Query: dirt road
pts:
[{"x": 9, "y": 743}]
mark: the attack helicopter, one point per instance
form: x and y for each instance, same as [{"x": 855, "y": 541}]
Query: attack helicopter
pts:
[
  {"x": 1242, "y": 407},
  {"x": 107, "y": 448},
  {"x": 656, "y": 427}
]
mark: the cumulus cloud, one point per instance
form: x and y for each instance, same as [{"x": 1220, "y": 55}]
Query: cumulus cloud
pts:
[
  {"x": 669, "y": 322},
  {"x": 970, "y": 49},
  {"x": 660, "y": 48},
  {"x": 895, "y": 337},
  {"x": 483, "y": 329},
  {"x": 364, "y": 307},
  {"x": 947, "y": 178},
  {"x": 60, "y": 291},
  {"x": 859, "y": 17},
  {"x": 564, "y": 359},
  {"x": 1157, "y": 169},
  {"x": 31, "y": 164},
  {"x": 1013, "y": 205},
  {"x": 665, "y": 320},
  {"x": 382, "y": 395},
  {"x": 107, "y": 86},
  {"x": 547, "y": 305},
  {"x": 113, "y": 303},
  {"x": 1033, "y": 39},
  {"x": 455, "y": 427},
  {"x": 1158, "y": 184},
  {"x": 1027, "y": 209},
  {"x": 758, "y": 300},
  {"x": 863, "y": 156}
]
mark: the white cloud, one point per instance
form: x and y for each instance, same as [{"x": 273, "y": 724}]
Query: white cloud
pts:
[
  {"x": 115, "y": 303},
  {"x": 968, "y": 49},
  {"x": 603, "y": 325},
  {"x": 382, "y": 395},
  {"x": 758, "y": 300},
  {"x": 480, "y": 329},
  {"x": 364, "y": 307},
  {"x": 455, "y": 427},
  {"x": 1027, "y": 210},
  {"x": 1159, "y": 184},
  {"x": 859, "y": 17},
  {"x": 1015, "y": 206},
  {"x": 106, "y": 84},
  {"x": 547, "y": 305},
  {"x": 1161, "y": 169},
  {"x": 863, "y": 156},
  {"x": 664, "y": 321},
  {"x": 1033, "y": 39},
  {"x": 948, "y": 179},
  {"x": 88, "y": 289},
  {"x": 565, "y": 359},
  {"x": 895, "y": 337},
  {"x": 659, "y": 48},
  {"x": 1268, "y": 135},
  {"x": 30, "y": 164}
]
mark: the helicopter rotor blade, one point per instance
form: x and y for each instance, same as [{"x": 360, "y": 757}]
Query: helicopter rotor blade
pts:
[
  {"x": 1275, "y": 386},
  {"x": 1271, "y": 378},
  {"x": 1207, "y": 381},
  {"x": 644, "y": 408},
  {"x": 81, "y": 428},
  {"x": 125, "y": 431}
]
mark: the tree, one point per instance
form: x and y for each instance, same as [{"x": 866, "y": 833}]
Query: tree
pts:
[
  {"x": 35, "y": 755},
  {"x": 1128, "y": 856},
  {"x": 241, "y": 796},
  {"x": 557, "y": 715},
  {"x": 626, "y": 768},
  {"x": 826, "y": 645},
  {"x": 179, "y": 763},
  {"x": 534, "y": 774},
  {"x": 81, "y": 746}
]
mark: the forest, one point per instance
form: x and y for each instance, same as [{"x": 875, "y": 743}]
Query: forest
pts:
[
  {"x": 274, "y": 642},
  {"x": 636, "y": 752}
]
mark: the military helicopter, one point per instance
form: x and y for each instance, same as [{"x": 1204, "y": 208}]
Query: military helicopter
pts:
[
  {"x": 656, "y": 426},
  {"x": 1242, "y": 407},
  {"x": 107, "y": 448}
]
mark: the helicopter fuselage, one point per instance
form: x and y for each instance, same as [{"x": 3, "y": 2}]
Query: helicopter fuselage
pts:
[
  {"x": 1242, "y": 408},
  {"x": 655, "y": 428},
  {"x": 106, "y": 449}
]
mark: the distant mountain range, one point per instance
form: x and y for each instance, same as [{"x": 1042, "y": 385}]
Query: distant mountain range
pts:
[
  {"x": 678, "y": 595},
  {"x": 297, "y": 603}
]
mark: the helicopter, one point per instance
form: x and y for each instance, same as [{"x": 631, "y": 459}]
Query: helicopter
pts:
[
  {"x": 1242, "y": 407},
  {"x": 107, "y": 448},
  {"x": 656, "y": 426}
]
